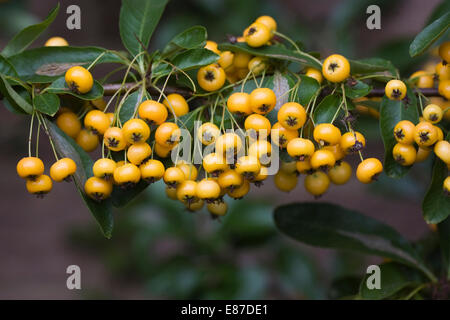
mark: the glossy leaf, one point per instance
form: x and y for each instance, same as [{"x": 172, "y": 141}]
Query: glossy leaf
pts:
[
  {"x": 138, "y": 20},
  {"x": 47, "y": 103},
  {"x": 326, "y": 109},
  {"x": 429, "y": 35},
  {"x": 391, "y": 112},
  {"x": 8, "y": 91},
  {"x": 6, "y": 67},
  {"x": 24, "y": 38},
  {"x": 186, "y": 61},
  {"x": 307, "y": 89},
  {"x": 436, "y": 205},
  {"x": 393, "y": 278},
  {"x": 275, "y": 52},
  {"x": 130, "y": 104},
  {"x": 59, "y": 86},
  {"x": 194, "y": 37},
  {"x": 360, "y": 89},
  {"x": 332, "y": 226},
  {"x": 48, "y": 63},
  {"x": 121, "y": 197},
  {"x": 67, "y": 147},
  {"x": 12, "y": 106},
  {"x": 371, "y": 65},
  {"x": 194, "y": 58}
]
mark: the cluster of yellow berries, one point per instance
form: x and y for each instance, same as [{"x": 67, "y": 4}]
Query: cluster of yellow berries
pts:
[
  {"x": 427, "y": 135},
  {"x": 31, "y": 168},
  {"x": 237, "y": 161},
  {"x": 38, "y": 183},
  {"x": 235, "y": 66}
]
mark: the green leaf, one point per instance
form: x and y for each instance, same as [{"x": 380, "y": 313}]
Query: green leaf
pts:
[
  {"x": 444, "y": 240},
  {"x": 438, "y": 11},
  {"x": 67, "y": 147},
  {"x": 138, "y": 20},
  {"x": 391, "y": 112},
  {"x": 121, "y": 197},
  {"x": 275, "y": 52},
  {"x": 307, "y": 89},
  {"x": 429, "y": 35},
  {"x": 8, "y": 91},
  {"x": 194, "y": 58},
  {"x": 129, "y": 105},
  {"x": 12, "y": 106},
  {"x": 187, "y": 60},
  {"x": 6, "y": 67},
  {"x": 47, "y": 103},
  {"x": 332, "y": 226},
  {"x": 59, "y": 86},
  {"x": 326, "y": 109},
  {"x": 46, "y": 64},
  {"x": 371, "y": 65},
  {"x": 24, "y": 38},
  {"x": 194, "y": 37},
  {"x": 436, "y": 205},
  {"x": 360, "y": 89},
  {"x": 394, "y": 277}
]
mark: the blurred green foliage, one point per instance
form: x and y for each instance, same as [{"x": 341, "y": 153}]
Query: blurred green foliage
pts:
[{"x": 178, "y": 254}]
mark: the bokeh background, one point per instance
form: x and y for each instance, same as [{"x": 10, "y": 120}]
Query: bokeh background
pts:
[{"x": 158, "y": 250}]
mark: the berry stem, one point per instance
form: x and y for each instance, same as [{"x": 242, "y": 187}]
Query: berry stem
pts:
[
  {"x": 42, "y": 121},
  {"x": 96, "y": 60},
  {"x": 281, "y": 35},
  {"x": 244, "y": 81},
  {"x": 37, "y": 139},
  {"x": 165, "y": 84},
  {"x": 30, "y": 134}
]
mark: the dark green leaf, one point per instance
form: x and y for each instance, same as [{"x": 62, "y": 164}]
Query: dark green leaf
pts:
[
  {"x": 13, "y": 96},
  {"x": 130, "y": 104},
  {"x": 393, "y": 278},
  {"x": 439, "y": 11},
  {"x": 67, "y": 147},
  {"x": 429, "y": 35},
  {"x": 391, "y": 113},
  {"x": 194, "y": 37},
  {"x": 436, "y": 205},
  {"x": 47, "y": 103},
  {"x": 371, "y": 65},
  {"x": 24, "y": 38},
  {"x": 59, "y": 86},
  {"x": 48, "y": 63},
  {"x": 332, "y": 226},
  {"x": 138, "y": 20},
  {"x": 187, "y": 60},
  {"x": 194, "y": 58},
  {"x": 360, "y": 89},
  {"x": 307, "y": 89},
  {"x": 12, "y": 106},
  {"x": 275, "y": 52},
  {"x": 326, "y": 109},
  {"x": 444, "y": 240},
  {"x": 121, "y": 197},
  {"x": 6, "y": 67}
]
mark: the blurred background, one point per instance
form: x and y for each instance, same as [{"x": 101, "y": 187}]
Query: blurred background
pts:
[{"x": 159, "y": 250}]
